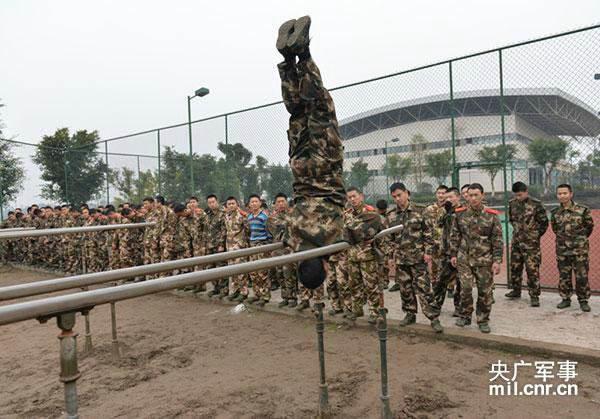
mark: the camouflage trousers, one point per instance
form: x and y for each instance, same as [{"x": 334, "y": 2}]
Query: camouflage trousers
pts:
[
  {"x": 338, "y": 286},
  {"x": 384, "y": 269},
  {"x": 415, "y": 285},
  {"x": 531, "y": 259},
  {"x": 220, "y": 285},
  {"x": 152, "y": 252},
  {"x": 482, "y": 278},
  {"x": 238, "y": 283},
  {"x": 448, "y": 275},
  {"x": 577, "y": 265},
  {"x": 261, "y": 281},
  {"x": 306, "y": 294},
  {"x": 365, "y": 282},
  {"x": 437, "y": 261},
  {"x": 315, "y": 222},
  {"x": 286, "y": 277}
]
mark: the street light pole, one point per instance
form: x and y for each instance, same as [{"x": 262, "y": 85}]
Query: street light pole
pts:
[
  {"x": 387, "y": 169},
  {"x": 203, "y": 91}
]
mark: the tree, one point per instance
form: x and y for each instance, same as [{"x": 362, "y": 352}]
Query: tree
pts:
[
  {"x": 418, "y": 145},
  {"x": 174, "y": 175},
  {"x": 493, "y": 159},
  {"x": 397, "y": 167},
  {"x": 547, "y": 152},
  {"x": 439, "y": 165},
  {"x": 132, "y": 188},
  {"x": 71, "y": 168},
  {"x": 280, "y": 179},
  {"x": 12, "y": 172},
  {"x": 359, "y": 174}
]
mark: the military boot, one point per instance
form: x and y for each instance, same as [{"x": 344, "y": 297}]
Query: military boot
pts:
[
  {"x": 564, "y": 304},
  {"x": 234, "y": 296},
  {"x": 409, "y": 319},
  {"x": 292, "y": 303},
  {"x": 535, "y": 301},
  {"x": 333, "y": 311},
  {"x": 283, "y": 304},
  {"x": 285, "y": 31},
  {"x": 298, "y": 40},
  {"x": 437, "y": 326},
  {"x": 303, "y": 305},
  {"x": 240, "y": 298},
  {"x": 463, "y": 321},
  {"x": 395, "y": 287},
  {"x": 372, "y": 319},
  {"x": 584, "y": 306},
  {"x": 251, "y": 300},
  {"x": 484, "y": 328},
  {"x": 513, "y": 294}
]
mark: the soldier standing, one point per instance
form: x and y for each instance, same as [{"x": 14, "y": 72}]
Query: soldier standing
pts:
[
  {"x": 529, "y": 221},
  {"x": 476, "y": 251},
  {"x": 236, "y": 224},
  {"x": 278, "y": 225},
  {"x": 573, "y": 224},
  {"x": 216, "y": 236},
  {"x": 385, "y": 246},
  {"x": 259, "y": 236},
  {"x": 433, "y": 215},
  {"x": 413, "y": 253}
]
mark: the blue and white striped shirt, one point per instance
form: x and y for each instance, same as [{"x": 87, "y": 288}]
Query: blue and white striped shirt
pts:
[{"x": 258, "y": 227}]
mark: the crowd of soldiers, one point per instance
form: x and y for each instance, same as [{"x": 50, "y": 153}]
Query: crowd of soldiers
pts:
[{"x": 443, "y": 250}]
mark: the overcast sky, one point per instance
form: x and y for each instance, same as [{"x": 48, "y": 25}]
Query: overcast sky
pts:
[{"x": 124, "y": 66}]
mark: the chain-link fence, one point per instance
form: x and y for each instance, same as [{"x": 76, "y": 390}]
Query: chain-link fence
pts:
[{"x": 526, "y": 112}]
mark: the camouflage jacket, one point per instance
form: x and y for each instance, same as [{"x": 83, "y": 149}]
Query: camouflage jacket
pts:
[
  {"x": 360, "y": 228},
  {"x": 476, "y": 236},
  {"x": 170, "y": 226},
  {"x": 433, "y": 215},
  {"x": 445, "y": 223},
  {"x": 415, "y": 240},
  {"x": 200, "y": 226},
  {"x": 529, "y": 222},
  {"x": 216, "y": 232},
  {"x": 236, "y": 225},
  {"x": 183, "y": 235},
  {"x": 572, "y": 225},
  {"x": 278, "y": 223}
]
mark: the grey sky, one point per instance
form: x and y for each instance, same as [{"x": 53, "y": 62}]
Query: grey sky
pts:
[{"x": 124, "y": 66}]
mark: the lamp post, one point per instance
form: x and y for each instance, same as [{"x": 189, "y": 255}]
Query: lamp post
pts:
[
  {"x": 203, "y": 91},
  {"x": 387, "y": 177}
]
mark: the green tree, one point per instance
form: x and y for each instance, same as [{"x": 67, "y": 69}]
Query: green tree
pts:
[
  {"x": 547, "y": 152},
  {"x": 493, "y": 159},
  {"x": 131, "y": 187},
  {"x": 396, "y": 167},
  {"x": 12, "y": 173},
  {"x": 280, "y": 179},
  {"x": 439, "y": 165},
  {"x": 174, "y": 175},
  {"x": 359, "y": 174},
  {"x": 71, "y": 168}
]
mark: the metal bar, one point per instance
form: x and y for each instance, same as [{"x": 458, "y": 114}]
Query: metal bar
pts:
[
  {"x": 386, "y": 412},
  {"x": 66, "y": 175},
  {"x": 69, "y": 230},
  {"x": 502, "y": 123},
  {"x": 10, "y": 230},
  {"x": 84, "y": 300},
  {"x": 189, "y": 109},
  {"x": 158, "y": 169},
  {"x": 69, "y": 371},
  {"x": 324, "y": 411},
  {"x": 113, "y": 322},
  {"x": 453, "y": 129},
  {"x": 140, "y": 197},
  {"x": 31, "y": 289},
  {"x": 88, "y": 332}
]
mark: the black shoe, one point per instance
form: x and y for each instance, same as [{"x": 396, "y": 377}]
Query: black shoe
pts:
[
  {"x": 233, "y": 296},
  {"x": 437, "y": 326},
  {"x": 261, "y": 303},
  {"x": 285, "y": 31},
  {"x": 456, "y": 313},
  {"x": 292, "y": 303},
  {"x": 462, "y": 322},
  {"x": 535, "y": 302},
  {"x": 298, "y": 40},
  {"x": 409, "y": 319},
  {"x": 213, "y": 292},
  {"x": 395, "y": 287},
  {"x": 282, "y": 304},
  {"x": 240, "y": 298},
  {"x": 252, "y": 300},
  {"x": 484, "y": 328},
  {"x": 585, "y": 306},
  {"x": 513, "y": 294},
  {"x": 564, "y": 304},
  {"x": 372, "y": 319},
  {"x": 303, "y": 306},
  {"x": 450, "y": 293},
  {"x": 333, "y": 311}
]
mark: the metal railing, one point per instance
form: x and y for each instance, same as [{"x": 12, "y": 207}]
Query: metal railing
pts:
[
  {"x": 65, "y": 307},
  {"x": 69, "y": 230}
]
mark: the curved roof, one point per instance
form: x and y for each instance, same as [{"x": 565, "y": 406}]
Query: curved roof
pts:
[{"x": 550, "y": 109}]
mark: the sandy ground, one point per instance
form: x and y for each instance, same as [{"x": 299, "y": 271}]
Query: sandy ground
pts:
[{"x": 187, "y": 358}]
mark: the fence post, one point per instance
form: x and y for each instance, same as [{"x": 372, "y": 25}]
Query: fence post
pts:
[
  {"x": 65, "y": 161},
  {"x": 88, "y": 333},
  {"x": 69, "y": 371},
  {"x": 113, "y": 322},
  {"x": 158, "y": 147},
  {"x": 452, "y": 133},
  {"x": 107, "y": 173},
  {"x": 324, "y": 411},
  {"x": 506, "y": 223}
]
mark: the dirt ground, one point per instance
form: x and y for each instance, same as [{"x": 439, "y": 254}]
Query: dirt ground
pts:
[{"x": 187, "y": 358}]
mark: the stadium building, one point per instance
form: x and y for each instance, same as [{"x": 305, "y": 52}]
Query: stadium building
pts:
[{"x": 424, "y": 124}]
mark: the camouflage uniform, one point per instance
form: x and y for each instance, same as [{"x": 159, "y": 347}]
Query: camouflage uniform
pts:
[
  {"x": 129, "y": 242},
  {"x": 529, "y": 221},
  {"x": 433, "y": 215},
  {"x": 277, "y": 225},
  {"x": 573, "y": 225},
  {"x": 216, "y": 237},
  {"x": 261, "y": 281},
  {"x": 363, "y": 224},
  {"x": 316, "y": 157},
  {"x": 170, "y": 233},
  {"x": 476, "y": 242},
  {"x": 72, "y": 245},
  {"x": 386, "y": 248},
  {"x": 337, "y": 282},
  {"x": 411, "y": 245},
  {"x": 152, "y": 250},
  {"x": 91, "y": 247},
  {"x": 115, "y": 252},
  {"x": 236, "y": 225},
  {"x": 448, "y": 273}
]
